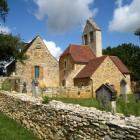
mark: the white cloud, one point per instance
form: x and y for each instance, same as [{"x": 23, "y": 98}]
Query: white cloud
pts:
[
  {"x": 63, "y": 15},
  {"x": 4, "y": 29},
  {"x": 53, "y": 48},
  {"x": 126, "y": 17}
]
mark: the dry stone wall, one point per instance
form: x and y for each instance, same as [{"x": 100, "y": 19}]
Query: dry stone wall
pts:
[{"x": 59, "y": 121}]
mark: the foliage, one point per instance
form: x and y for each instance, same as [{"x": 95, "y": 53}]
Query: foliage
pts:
[
  {"x": 4, "y": 9},
  {"x": 6, "y": 85},
  {"x": 10, "y": 130},
  {"x": 46, "y": 100},
  {"x": 137, "y": 32},
  {"x": 129, "y": 108},
  {"x": 10, "y": 46},
  {"x": 130, "y": 55}
]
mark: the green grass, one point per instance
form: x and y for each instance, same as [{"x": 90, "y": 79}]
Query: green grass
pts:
[
  {"x": 82, "y": 102},
  {"x": 11, "y": 130},
  {"x": 130, "y": 108}
]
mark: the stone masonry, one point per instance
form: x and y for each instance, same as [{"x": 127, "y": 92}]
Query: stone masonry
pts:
[
  {"x": 59, "y": 121},
  {"x": 49, "y": 69},
  {"x": 109, "y": 73}
]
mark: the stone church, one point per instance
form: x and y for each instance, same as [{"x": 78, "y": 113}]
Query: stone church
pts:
[
  {"x": 40, "y": 65},
  {"x": 84, "y": 65}
]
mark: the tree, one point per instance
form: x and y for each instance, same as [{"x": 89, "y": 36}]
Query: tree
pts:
[
  {"x": 137, "y": 32},
  {"x": 11, "y": 46},
  {"x": 130, "y": 55},
  {"x": 4, "y": 9}
]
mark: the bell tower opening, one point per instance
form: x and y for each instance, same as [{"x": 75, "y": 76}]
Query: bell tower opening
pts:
[
  {"x": 85, "y": 39},
  {"x": 91, "y": 36}
]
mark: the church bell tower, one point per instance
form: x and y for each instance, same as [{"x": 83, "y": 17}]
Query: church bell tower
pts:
[{"x": 92, "y": 37}]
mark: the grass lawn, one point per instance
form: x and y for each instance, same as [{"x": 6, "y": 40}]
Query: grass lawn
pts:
[
  {"x": 130, "y": 108},
  {"x": 11, "y": 130},
  {"x": 82, "y": 102}
]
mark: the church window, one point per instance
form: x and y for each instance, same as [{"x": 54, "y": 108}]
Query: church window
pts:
[
  {"x": 91, "y": 36},
  {"x": 38, "y": 46},
  {"x": 86, "y": 39}
]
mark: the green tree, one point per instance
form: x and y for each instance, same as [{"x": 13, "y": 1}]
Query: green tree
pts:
[
  {"x": 11, "y": 46},
  {"x": 4, "y": 9},
  {"x": 130, "y": 55},
  {"x": 137, "y": 32}
]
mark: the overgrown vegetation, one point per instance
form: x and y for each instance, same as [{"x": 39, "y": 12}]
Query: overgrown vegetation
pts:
[
  {"x": 10, "y": 130},
  {"x": 6, "y": 86},
  {"x": 127, "y": 108},
  {"x": 46, "y": 100},
  {"x": 11, "y": 46}
]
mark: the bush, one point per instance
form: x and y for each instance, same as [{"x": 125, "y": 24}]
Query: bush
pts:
[
  {"x": 6, "y": 85},
  {"x": 46, "y": 100}
]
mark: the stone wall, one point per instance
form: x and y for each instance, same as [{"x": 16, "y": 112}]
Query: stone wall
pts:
[
  {"x": 69, "y": 92},
  {"x": 59, "y": 121}
]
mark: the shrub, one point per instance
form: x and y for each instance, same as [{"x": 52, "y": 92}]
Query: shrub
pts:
[
  {"x": 6, "y": 85},
  {"x": 46, "y": 100}
]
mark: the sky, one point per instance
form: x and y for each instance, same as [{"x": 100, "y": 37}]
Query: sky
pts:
[{"x": 61, "y": 22}]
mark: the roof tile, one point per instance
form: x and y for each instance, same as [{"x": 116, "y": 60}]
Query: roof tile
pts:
[
  {"x": 120, "y": 65},
  {"x": 90, "y": 68},
  {"x": 79, "y": 53}
]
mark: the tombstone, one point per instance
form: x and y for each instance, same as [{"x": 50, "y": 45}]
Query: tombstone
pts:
[
  {"x": 123, "y": 90},
  {"x": 35, "y": 88},
  {"x": 106, "y": 94}
]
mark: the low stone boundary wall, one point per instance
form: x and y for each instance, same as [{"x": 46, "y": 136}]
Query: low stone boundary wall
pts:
[
  {"x": 70, "y": 92},
  {"x": 59, "y": 121}
]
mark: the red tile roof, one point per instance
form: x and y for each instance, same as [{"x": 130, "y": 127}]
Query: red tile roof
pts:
[
  {"x": 79, "y": 53},
  {"x": 90, "y": 68},
  {"x": 120, "y": 65},
  {"x": 93, "y": 64}
]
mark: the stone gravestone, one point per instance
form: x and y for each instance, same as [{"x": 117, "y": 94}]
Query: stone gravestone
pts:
[{"x": 35, "y": 88}]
